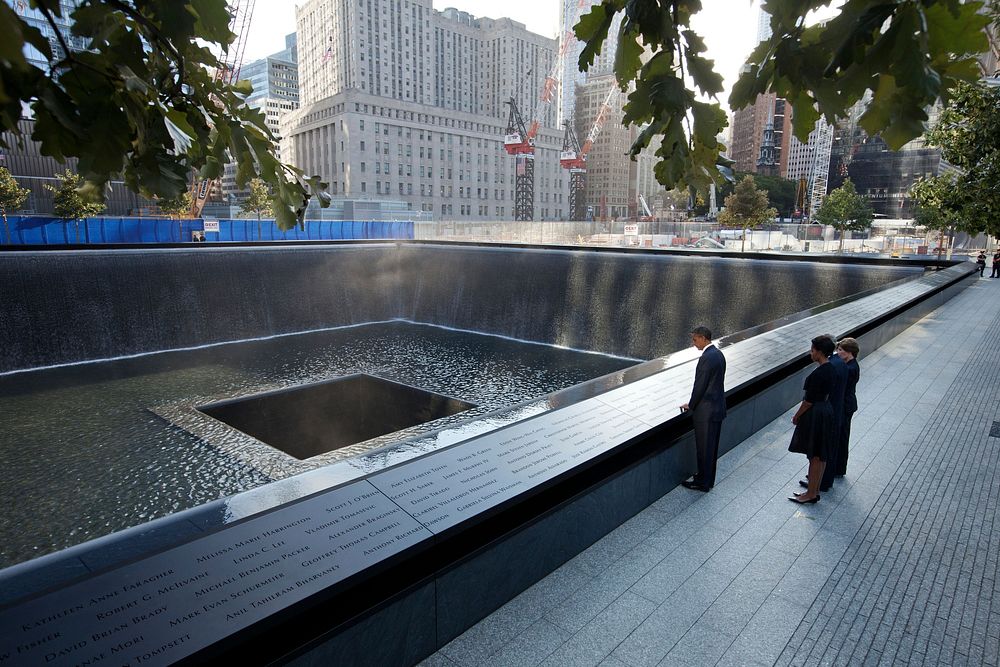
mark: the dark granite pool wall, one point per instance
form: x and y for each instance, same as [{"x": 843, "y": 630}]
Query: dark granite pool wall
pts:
[
  {"x": 435, "y": 600},
  {"x": 66, "y": 306},
  {"x": 634, "y": 305},
  {"x": 426, "y": 616},
  {"x": 70, "y": 306}
]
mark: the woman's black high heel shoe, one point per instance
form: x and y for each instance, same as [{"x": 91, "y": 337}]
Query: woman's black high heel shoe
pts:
[{"x": 795, "y": 499}]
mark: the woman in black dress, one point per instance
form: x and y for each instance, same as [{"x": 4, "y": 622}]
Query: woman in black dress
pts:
[
  {"x": 848, "y": 350},
  {"x": 814, "y": 421}
]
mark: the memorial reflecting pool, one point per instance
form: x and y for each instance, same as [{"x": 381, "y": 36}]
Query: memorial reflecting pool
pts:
[
  {"x": 84, "y": 453},
  {"x": 90, "y": 449}
]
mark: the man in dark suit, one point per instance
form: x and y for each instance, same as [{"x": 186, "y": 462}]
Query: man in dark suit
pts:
[{"x": 707, "y": 407}]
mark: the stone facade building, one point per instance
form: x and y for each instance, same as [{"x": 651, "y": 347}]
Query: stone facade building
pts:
[
  {"x": 275, "y": 81},
  {"x": 405, "y": 102}
]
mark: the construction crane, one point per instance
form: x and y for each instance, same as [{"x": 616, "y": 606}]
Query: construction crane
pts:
[
  {"x": 647, "y": 214},
  {"x": 228, "y": 72},
  {"x": 571, "y": 158},
  {"x": 574, "y": 156},
  {"x": 819, "y": 174},
  {"x": 519, "y": 138},
  {"x": 518, "y": 143}
]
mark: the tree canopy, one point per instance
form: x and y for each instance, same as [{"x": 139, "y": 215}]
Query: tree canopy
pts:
[
  {"x": 968, "y": 133},
  {"x": 845, "y": 210},
  {"x": 780, "y": 193},
  {"x": 908, "y": 53},
  {"x": 12, "y": 197},
  {"x": 746, "y": 207},
  {"x": 67, "y": 200},
  {"x": 940, "y": 203},
  {"x": 176, "y": 206},
  {"x": 259, "y": 199},
  {"x": 141, "y": 99}
]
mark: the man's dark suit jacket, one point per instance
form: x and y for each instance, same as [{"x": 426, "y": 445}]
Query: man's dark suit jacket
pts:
[{"x": 708, "y": 397}]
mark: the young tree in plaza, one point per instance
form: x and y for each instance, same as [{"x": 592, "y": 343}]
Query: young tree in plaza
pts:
[
  {"x": 12, "y": 197},
  {"x": 258, "y": 201},
  {"x": 845, "y": 210},
  {"x": 941, "y": 206},
  {"x": 908, "y": 54},
  {"x": 140, "y": 100},
  {"x": 177, "y": 206},
  {"x": 70, "y": 202},
  {"x": 746, "y": 208}
]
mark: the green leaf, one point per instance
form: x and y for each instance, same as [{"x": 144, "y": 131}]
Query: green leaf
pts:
[
  {"x": 212, "y": 20},
  {"x": 804, "y": 116},
  {"x": 243, "y": 87},
  {"x": 703, "y": 74},
  {"x": 592, "y": 29},
  {"x": 709, "y": 121},
  {"x": 627, "y": 57}
]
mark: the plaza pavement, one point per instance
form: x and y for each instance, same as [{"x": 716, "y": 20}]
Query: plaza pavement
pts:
[{"x": 898, "y": 565}]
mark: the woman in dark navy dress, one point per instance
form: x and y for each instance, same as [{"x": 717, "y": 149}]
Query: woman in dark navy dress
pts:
[{"x": 814, "y": 433}]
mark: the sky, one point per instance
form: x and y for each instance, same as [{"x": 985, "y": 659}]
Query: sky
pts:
[{"x": 728, "y": 26}]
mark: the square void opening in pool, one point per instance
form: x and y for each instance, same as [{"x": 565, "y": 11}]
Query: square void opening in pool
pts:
[{"x": 313, "y": 419}]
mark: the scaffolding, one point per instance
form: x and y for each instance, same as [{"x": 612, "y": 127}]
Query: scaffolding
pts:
[{"x": 819, "y": 174}]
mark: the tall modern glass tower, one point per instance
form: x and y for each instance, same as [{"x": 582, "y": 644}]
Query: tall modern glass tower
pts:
[{"x": 570, "y": 75}]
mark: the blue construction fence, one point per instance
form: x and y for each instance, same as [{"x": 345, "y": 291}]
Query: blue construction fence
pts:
[{"x": 40, "y": 230}]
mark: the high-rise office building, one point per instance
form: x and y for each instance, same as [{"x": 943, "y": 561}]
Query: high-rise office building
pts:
[
  {"x": 37, "y": 20},
  {"x": 750, "y": 122},
  {"x": 569, "y": 72},
  {"x": 612, "y": 185},
  {"x": 404, "y": 102},
  {"x": 27, "y": 164},
  {"x": 275, "y": 81}
]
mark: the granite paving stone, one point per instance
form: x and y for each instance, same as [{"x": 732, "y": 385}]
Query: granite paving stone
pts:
[
  {"x": 595, "y": 641},
  {"x": 530, "y": 647}
]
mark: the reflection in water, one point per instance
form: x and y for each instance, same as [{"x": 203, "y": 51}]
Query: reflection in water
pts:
[{"x": 83, "y": 455}]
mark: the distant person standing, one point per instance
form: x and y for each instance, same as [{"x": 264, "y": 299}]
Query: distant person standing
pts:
[
  {"x": 848, "y": 350},
  {"x": 996, "y": 264},
  {"x": 981, "y": 263},
  {"x": 707, "y": 407}
]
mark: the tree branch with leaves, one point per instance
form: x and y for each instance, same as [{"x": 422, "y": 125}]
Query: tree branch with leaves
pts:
[
  {"x": 141, "y": 100},
  {"x": 968, "y": 133},
  {"x": 908, "y": 53}
]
